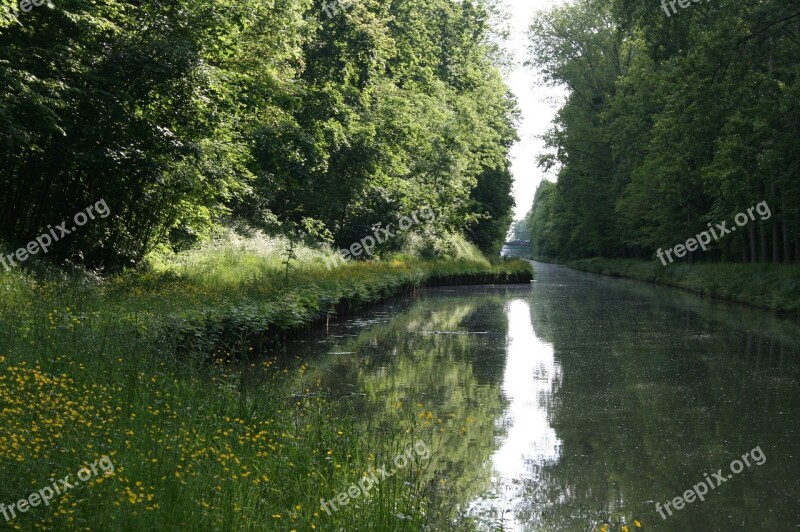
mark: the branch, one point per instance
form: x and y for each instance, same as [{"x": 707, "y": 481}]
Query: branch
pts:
[{"x": 768, "y": 26}]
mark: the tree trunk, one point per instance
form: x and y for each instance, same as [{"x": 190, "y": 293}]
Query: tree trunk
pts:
[
  {"x": 787, "y": 245},
  {"x": 776, "y": 229},
  {"x": 744, "y": 248},
  {"x": 797, "y": 241}
]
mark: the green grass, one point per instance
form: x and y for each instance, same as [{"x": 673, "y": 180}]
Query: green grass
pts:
[
  {"x": 157, "y": 371},
  {"x": 768, "y": 286}
]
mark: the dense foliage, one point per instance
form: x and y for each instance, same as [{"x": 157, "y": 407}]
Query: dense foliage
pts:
[
  {"x": 182, "y": 114},
  {"x": 672, "y": 122}
]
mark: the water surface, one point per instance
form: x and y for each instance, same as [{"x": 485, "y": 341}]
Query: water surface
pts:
[{"x": 580, "y": 400}]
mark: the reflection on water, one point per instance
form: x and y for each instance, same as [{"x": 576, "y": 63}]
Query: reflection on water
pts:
[
  {"x": 580, "y": 401},
  {"x": 530, "y": 442}
]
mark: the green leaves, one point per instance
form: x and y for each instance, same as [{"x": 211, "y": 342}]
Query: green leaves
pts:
[
  {"x": 186, "y": 113},
  {"x": 671, "y": 123}
]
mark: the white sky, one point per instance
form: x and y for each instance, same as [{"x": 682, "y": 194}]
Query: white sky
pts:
[{"x": 537, "y": 112}]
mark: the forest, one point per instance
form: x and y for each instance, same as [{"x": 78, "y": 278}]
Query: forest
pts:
[
  {"x": 287, "y": 116},
  {"x": 675, "y": 120}
]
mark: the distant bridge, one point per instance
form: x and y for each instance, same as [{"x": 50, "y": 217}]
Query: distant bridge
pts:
[{"x": 516, "y": 249}]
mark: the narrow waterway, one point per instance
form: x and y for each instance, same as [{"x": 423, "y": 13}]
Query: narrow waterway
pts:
[{"x": 580, "y": 400}]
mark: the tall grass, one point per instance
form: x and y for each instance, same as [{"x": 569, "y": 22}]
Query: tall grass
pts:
[{"x": 122, "y": 367}]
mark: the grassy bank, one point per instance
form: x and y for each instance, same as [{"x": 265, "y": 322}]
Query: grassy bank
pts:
[
  {"x": 773, "y": 287},
  {"x": 121, "y": 367}
]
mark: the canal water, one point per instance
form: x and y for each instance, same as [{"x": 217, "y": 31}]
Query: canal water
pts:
[{"x": 580, "y": 400}]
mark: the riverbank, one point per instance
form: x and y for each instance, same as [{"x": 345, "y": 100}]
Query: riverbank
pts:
[
  {"x": 173, "y": 376},
  {"x": 767, "y": 286}
]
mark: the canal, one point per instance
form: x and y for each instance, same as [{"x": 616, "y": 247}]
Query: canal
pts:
[{"x": 580, "y": 401}]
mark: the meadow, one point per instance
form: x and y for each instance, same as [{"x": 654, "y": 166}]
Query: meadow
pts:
[{"x": 177, "y": 375}]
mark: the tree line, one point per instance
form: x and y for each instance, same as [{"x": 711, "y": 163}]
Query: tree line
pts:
[
  {"x": 672, "y": 121},
  {"x": 187, "y": 114}
]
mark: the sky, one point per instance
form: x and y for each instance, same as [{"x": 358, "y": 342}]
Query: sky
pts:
[{"x": 535, "y": 103}]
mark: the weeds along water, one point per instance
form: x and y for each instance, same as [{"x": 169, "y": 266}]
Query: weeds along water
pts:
[
  {"x": 768, "y": 286},
  {"x": 122, "y": 368}
]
